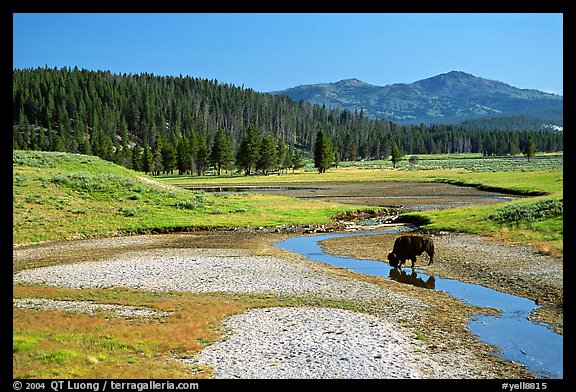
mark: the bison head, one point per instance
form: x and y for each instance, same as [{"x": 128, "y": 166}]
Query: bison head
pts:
[{"x": 393, "y": 260}]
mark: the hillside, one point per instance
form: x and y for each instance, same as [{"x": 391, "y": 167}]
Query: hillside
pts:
[
  {"x": 158, "y": 124},
  {"x": 447, "y": 98},
  {"x": 58, "y": 196}
]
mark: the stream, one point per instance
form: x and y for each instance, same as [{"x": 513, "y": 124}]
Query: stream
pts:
[{"x": 519, "y": 339}]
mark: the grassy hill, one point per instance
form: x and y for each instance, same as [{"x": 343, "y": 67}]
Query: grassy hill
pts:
[{"x": 61, "y": 196}]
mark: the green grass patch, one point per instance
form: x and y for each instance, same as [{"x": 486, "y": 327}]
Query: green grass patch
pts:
[
  {"x": 537, "y": 222},
  {"x": 61, "y": 196},
  {"x": 513, "y": 175},
  {"x": 535, "y": 211}
]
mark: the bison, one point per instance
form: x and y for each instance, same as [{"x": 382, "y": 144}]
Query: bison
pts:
[{"x": 408, "y": 247}]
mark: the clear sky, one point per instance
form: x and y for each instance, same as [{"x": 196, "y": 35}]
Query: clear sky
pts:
[{"x": 269, "y": 52}]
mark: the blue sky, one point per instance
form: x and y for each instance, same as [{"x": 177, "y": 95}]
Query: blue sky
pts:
[{"x": 276, "y": 51}]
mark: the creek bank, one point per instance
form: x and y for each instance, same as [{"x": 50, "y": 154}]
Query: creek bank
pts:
[{"x": 508, "y": 268}]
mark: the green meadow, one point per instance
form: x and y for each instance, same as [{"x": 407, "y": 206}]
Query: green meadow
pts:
[
  {"x": 538, "y": 218},
  {"x": 59, "y": 196},
  {"x": 62, "y": 196}
]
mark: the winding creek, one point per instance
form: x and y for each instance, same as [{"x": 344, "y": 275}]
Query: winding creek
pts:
[{"x": 520, "y": 340}]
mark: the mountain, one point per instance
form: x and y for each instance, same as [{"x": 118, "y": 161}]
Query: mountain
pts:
[{"x": 448, "y": 98}]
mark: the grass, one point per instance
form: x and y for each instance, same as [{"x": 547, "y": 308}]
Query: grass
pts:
[
  {"x": 530, "y": 222},
  {"x": 60, "y": 196},
  {"x": 54, "y": 344},
  {"x": 543, "y": 177},
  {"x": 513, "y": 174}
]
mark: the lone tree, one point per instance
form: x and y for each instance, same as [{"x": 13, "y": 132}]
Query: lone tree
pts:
[
  {"x": 248, "y": 153},
  {"x": 267, "y": 154},
  {"x": 529, "y": 150},
  {"x": 221, "y": 154},
  {"x": 323, "y": 153},
  {"x": 396, "y": 155},
  {"x": 297, "y": 160}
]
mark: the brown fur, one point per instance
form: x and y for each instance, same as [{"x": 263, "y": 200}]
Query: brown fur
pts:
[{"x": 408, "y": 247}]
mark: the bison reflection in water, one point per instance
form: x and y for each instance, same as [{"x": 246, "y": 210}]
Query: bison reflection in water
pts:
[
  {"x": 407, "y": 247},
  {"x": 412, "y": 278}
]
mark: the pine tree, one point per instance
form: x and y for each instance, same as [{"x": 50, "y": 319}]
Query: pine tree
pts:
[
  {"x": 396, "y": 156},
  {"x": 168, "y": 157},
  {"x": 202, "y": 156},
  {"x": 529, "y": 150},
  {"x": 183, "y": 154},
  {"x": 323, "y": 154},
  {"x": 221, "y": 154},
  {"x": 297, "y": 160},
  {"x": 289, "y": 161},
  {"x": 136, "y": 158},
  {"x": 147, "y": 158},
  {"x": 281, "y": 153},
  {"x": 193, "y": 145},
  {"x": 248, "y": 152},
  {"x": 267, "y": 154}
]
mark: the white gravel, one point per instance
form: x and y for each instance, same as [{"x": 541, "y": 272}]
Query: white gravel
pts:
[
  {"x": 305, "y": 342},
  {"x": 206, "y": 270},
  {"x": 86, "y": 307},
  {"x": 311, "y": 342}
]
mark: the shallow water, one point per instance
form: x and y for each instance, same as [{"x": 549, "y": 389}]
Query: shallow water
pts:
[{"x": 520, "y": 340}]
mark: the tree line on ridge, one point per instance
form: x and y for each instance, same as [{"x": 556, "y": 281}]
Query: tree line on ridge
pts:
[{"x": 165, "y": 123}]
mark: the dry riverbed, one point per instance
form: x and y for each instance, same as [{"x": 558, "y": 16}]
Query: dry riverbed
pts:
[{"x": 395, "y": 330}]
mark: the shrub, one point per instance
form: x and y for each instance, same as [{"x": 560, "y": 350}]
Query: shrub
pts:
[
  {"x": 186, "y": 205},
  {"x": 128, "y": 211},
  {"x": 19, "y": 180},
  {"x": 529, "y": 212},
  {"x": 83, "y": 181}
]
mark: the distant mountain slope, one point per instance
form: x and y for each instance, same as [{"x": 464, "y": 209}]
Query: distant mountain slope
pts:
[{"x": 452, "y": 97}]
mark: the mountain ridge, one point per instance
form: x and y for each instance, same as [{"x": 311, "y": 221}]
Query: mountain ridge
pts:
[{"x": 450, "y": 97}]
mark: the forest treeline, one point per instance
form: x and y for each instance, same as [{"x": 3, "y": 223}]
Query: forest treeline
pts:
[{"x": 164, "y": 123}]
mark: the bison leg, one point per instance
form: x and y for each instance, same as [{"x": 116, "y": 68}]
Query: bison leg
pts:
[
  {"x": 431, "y": 255},
  {"x": 413, "y": 258}
]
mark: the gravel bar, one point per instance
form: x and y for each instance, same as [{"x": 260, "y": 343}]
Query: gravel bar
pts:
[
  {"x": 207, "y": 270},
  {"x": 291, "y": 342},
  {"x": 312, "y": 342}
]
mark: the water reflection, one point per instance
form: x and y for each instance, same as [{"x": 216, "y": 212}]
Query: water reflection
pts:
[
  {"x": 520, "y": 340},
  {"x": 412, "y": 278}
]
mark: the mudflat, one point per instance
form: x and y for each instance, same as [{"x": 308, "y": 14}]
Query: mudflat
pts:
[{"x": 408, "y": 196}]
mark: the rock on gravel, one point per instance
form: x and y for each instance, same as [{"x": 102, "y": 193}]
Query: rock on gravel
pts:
[{"x": 312, "y": 342}]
